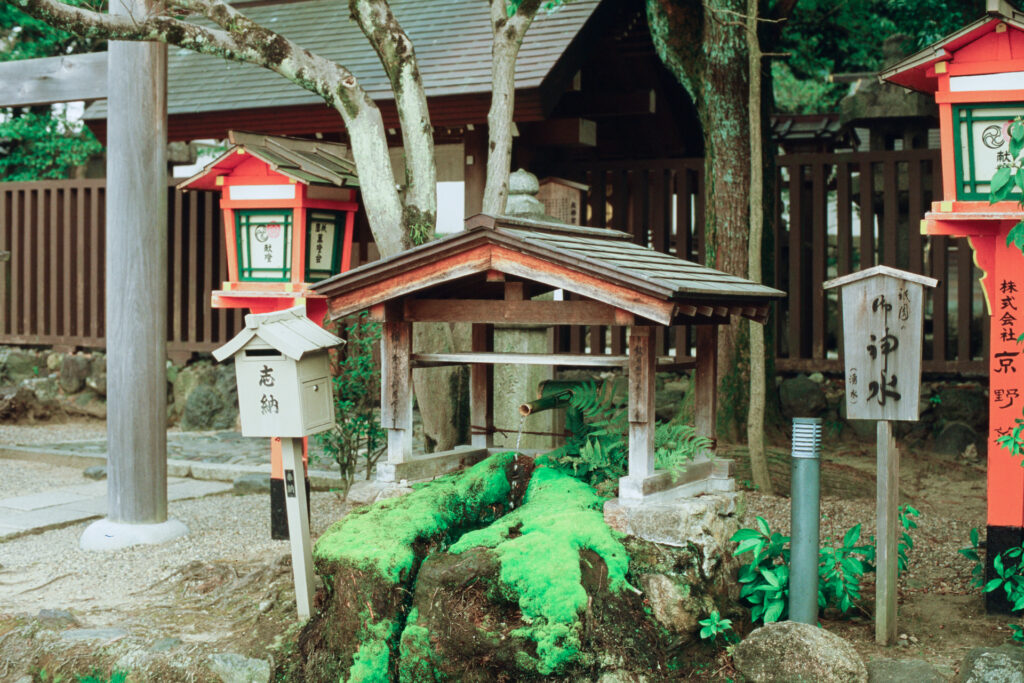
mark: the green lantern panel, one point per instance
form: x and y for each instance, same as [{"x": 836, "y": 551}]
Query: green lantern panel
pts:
[
  {"x": 323, "y": 252},
  {"x": 981, "y": 146},
  {"x": 264, "y": 245}
]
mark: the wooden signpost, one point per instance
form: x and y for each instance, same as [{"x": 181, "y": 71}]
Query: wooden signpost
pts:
[{"x": 883, "y": 315}]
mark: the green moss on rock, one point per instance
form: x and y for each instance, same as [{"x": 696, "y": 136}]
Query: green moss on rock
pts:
[
  {"x": 418, "y": 662},
  {"x": 539, "y": 547},
  {"x": 382, "y": 537}
]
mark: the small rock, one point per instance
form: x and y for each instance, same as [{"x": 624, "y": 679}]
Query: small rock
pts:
[
  {"x": 955, "y": 437},
  {"x": 788, "y": 651},
  {"x": 164, "y": 644},
  {"x": 265, "y": 606},
  {"x": 368, "y": 492},
  {"x": 621, "y": 676},
  {"x": 903, "y": 671},
  {"x": 816, "y": 377},
  {"x": 96, "y": 472},
  {"x": 1003, "y": 664},
  {"x": 57, "y": 617},
  {"x": 669, "y": 605},
  {"x": 234, "y": 668},
  {"x": 93, "y": 634},
  {"x": 53, "y": 361},
  {"x": 73, "y": 371},
  {"x": 800, "y": 397},
  {"x": 254, "y": 482}
]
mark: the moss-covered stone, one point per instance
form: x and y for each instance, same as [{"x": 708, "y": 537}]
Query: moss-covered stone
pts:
[{"x": 370, "y": 559}]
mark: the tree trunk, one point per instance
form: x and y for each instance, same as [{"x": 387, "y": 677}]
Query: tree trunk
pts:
[
  {"x": 755, "y": 415},
  {"x": 508, "y": 33},
  {"x": 704, "y": 45}
]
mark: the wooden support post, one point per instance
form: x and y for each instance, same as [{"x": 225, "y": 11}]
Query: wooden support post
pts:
[
  {"x": 888, "y": 478},
  {"x": 396, "y": 389},
  {"x": 642, "y": 358},
  {"x": 475, "y": 169},
  {"x": 298, "y": 525},
  {"x": 481, "y": 388},
  {"x": 705, "y": 379},
  {"x": 136, "y": 278}
]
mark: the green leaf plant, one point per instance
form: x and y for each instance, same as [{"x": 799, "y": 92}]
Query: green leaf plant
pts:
[
  {"x": 597, "y": 448},
  {"x": 1010, "y": 177},
  {"x": 764, "y": 580},
  {"x": 357, "y": 432},
  {"x": 1009, "y": 576},
  {"x": 973, "y": 553}
]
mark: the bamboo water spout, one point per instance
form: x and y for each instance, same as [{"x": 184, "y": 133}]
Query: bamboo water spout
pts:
[{"x": 551, "y": 394}]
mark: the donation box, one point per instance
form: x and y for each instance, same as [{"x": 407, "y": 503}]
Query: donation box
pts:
[{"x": 283, "y": 373}]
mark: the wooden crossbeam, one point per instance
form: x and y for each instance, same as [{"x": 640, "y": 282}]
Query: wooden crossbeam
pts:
[
  {"x": 32, "y": 82},
  {"x": 522, "y": 312}
]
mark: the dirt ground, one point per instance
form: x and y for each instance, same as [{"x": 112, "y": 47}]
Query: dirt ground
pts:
[{"x": 228, "y": 590}]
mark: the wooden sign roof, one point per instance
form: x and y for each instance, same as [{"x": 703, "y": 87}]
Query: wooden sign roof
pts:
[
  {"x": 310, "y": 162},
  {"x": 288, "y": 331},
  {"x": 601, "y": 265}
]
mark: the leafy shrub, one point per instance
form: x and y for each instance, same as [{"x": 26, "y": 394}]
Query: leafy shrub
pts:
[
  {"x": 357, "y": 431},
  {"x": 973, "y": 552},
  {"x": 1009, "y": 577},
  {"x": 765, "y": 579}
]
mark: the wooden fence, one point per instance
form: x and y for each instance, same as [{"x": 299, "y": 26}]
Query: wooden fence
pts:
[
  {"x": 835, "y": 213},
  {"x": 52, "y": 287}
]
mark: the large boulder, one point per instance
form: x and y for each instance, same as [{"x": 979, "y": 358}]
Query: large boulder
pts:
[
  {"x": 801, "y": 396},
  {"x": 956, "y": 437},
  {"x": 966, "y": 403},
  {"x": 788, "y": 652},
  {"x": 903, "y": 670},
  {"x": 1004, "y": 664}
]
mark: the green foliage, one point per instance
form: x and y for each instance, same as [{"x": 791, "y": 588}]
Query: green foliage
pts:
[
  {"x": 40, "y": 145},
  {"x": 357, "y": 431},
  {"x": 824, "y": 37},
  {"x": 597, "y": 450},
  {"x": 1007, "y": 566},
  {"x": 382, "y": 537},
  {"x": 549, "y": 6},
  {"x": 973, "y": 553},
  {"x": 39, "y": 142},
  {"x": 765, "y": 579},
  {"x": 1007, "y": 179},
  {"x": 715, "y": 626},
  {"x": 538, "y": 547}
]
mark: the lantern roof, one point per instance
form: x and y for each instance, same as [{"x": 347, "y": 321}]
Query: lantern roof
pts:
[
  {"x": 916, "y": 72},
  {"x": 289, "y": 331},
  {"x": 310, "y": 162},
  {"x": 599, "y": 264},
  {"x": 883, "y": 271}
]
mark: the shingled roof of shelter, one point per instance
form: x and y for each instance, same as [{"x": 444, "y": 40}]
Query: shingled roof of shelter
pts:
[
  {"x": 311, "y": 162},
  {"x": 609, "y": 255},
  {"x": 452, "y": 40}
]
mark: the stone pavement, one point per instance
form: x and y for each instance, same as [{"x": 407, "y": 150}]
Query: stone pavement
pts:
[
  {"x": 198, "y": 464},
  {"x": 70, "y": 504}
]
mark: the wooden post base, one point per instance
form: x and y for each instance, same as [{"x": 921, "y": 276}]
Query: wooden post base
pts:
[{"x": 298, "y": 526}]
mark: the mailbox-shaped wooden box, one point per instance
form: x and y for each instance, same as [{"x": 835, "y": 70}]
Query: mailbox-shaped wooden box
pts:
[{"x": 283, "y": 374}]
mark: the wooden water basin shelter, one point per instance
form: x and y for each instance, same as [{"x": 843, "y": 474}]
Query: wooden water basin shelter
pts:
[{"x": 503, "y": 269}]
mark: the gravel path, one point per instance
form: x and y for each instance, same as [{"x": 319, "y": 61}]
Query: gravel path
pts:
[
  {"x": 48, "y": 570},
  {"x": 51, "y": 432},
  {"x": 22, "y": 478}
]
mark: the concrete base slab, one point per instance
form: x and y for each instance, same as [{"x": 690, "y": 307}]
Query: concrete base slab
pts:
[
  {"x": 706, "y": 521},
  {"x": 429, "y": 465},
  {"x": 104, "y": 534},
  {"x": 703, "y": 476}
]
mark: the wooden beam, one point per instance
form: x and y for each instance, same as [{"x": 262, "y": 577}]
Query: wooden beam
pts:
[
  {"x": 642, "y": 361},
  {"x": 396, "y": 389},
  {"x": 705, "y": 380},
  {"x": 513, "y": 291},
  {"x": 31, "y": 82},
  {"x": 481, "y": 389},
  {"x": 527, "y": 312},
  {"x": 426, "y": 360}
]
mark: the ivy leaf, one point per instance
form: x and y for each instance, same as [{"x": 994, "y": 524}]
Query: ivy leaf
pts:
[{"x": 1001, "y": 185}]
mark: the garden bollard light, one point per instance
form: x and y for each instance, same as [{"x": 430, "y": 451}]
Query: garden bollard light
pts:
[{"x": 806, "y": 512}]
